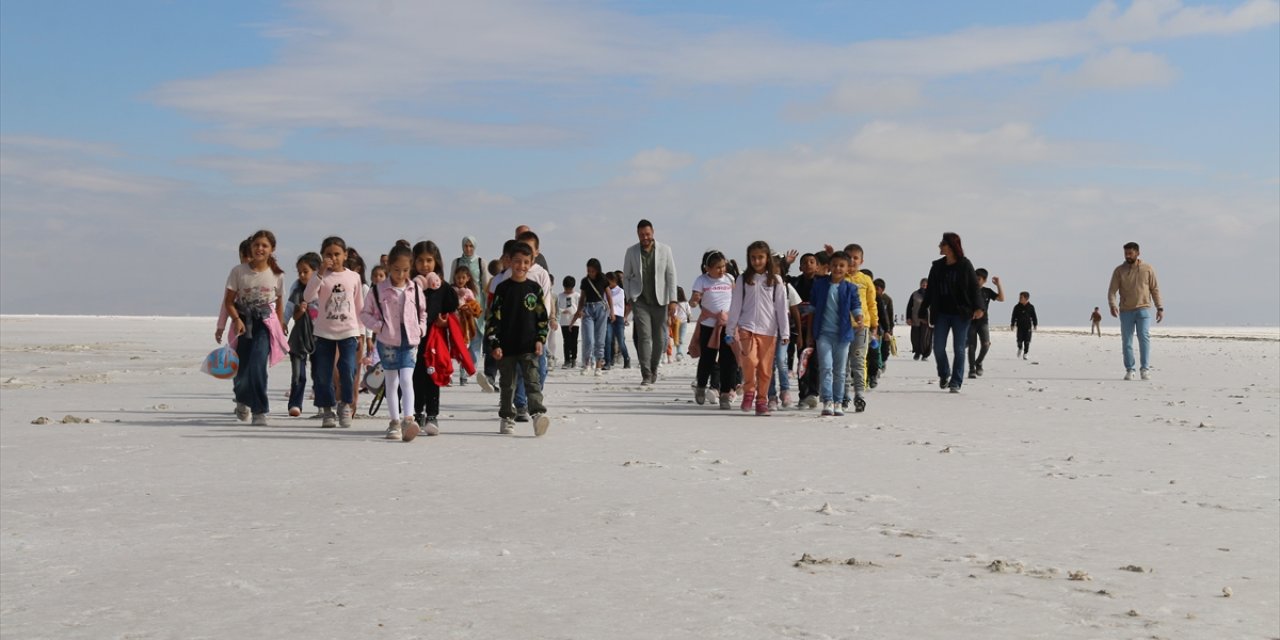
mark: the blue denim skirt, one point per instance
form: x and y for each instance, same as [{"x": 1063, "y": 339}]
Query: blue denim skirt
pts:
[{"x": 396, "y": 358}]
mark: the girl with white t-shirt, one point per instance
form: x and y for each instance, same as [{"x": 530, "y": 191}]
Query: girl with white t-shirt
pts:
[
  {"x": 396, "y": 312},
  {"x": 712, "y": 294},
  {"x": 254, "y": 301},
  {"x": 339, "y": 293}
]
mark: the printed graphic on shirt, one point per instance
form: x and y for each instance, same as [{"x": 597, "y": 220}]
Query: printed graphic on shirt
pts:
[
  {"x": 531, "y": 302},
  {"x": 339, "y": 306}
]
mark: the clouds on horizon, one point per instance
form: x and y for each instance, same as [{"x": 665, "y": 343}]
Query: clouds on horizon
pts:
[{"x": 880, "y": 142}]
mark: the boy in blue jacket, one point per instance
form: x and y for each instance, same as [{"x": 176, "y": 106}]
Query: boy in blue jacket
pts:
[{"x": 837, "y": 311}]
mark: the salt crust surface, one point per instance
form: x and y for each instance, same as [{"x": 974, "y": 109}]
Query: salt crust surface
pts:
[{"x": 640, "y": 514}]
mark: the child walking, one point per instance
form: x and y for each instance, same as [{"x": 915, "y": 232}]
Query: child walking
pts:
[
  {"x": 567, "y": 303},
  {"x": 757, "y": 321},
  {"x": 837, "y": 312},
  {"x": 302, "y": 339},
  {"x": 516, "y": 329},
  {"x": 711, "y": 294},
  {"x": 470, "y": 313},
  {"x": 339, "y": 295},
  {"x": 440, "y": 300},
  {"x": 396, "y": 312},
  {"x": 1025, "y": 322},
  {"x": 254, "y": 301}
]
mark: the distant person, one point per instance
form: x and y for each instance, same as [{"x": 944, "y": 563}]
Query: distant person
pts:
[
  {"x": 952, "y": 302},
  {"x": 1024, "y": 321},
  {"x": 1095, "y": 321},
  {"x": 887, "y": 320},
  {"x": 516, "y": 332},
  {"x": 567, "y": 303},
  {"x": 470, "y": 315},
  {"x": 441, "y": 300},
  {"x": 918, "y": 320},
  {"x": 1135, "y": 282},
  {"x": 979, "y": 329},
  {"x": 650, "y": 283}
]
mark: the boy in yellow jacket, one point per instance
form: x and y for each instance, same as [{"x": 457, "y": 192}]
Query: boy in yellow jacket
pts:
[{"x": 858, "y": 349}]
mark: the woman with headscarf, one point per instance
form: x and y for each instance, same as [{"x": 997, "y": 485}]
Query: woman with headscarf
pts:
[{"x": 951, "y": 300}]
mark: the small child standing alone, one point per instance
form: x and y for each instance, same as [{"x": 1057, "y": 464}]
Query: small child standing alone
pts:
[
  {"x": 1025, "y": 321},
  {"x": 516, "y": 330},
  {"x": 396, "y": 312}
]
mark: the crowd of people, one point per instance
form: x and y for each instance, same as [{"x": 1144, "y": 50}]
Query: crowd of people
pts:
[{"x": 748, "y": 326}]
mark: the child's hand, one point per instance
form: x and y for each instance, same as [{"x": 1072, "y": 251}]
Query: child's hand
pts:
[
  {"x": 238, "y": 327},
  {"x": 497, "y": 353},
  {"x": 217, "y": 335},
  {"x": 537, "y": 349}
]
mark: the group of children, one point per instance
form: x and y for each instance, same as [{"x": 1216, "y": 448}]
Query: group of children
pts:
[
  {"x": 749, "y": 328},
  {"x": 417, "y": 324}
]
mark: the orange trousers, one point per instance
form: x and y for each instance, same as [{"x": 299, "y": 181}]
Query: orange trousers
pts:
[{"x": 755, "y": 356}]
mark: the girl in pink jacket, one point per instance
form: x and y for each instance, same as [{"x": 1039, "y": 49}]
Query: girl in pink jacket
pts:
[{"x": 396, "y": 313}]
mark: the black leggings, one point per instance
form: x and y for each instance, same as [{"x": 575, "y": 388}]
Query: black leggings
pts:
[
  {"x": 721, "y": 359},
  {"x": 426, "y": 393}
]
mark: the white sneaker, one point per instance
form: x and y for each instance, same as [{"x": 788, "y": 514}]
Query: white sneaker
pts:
[
  {"x": 394, "y": 433},
  {"x": 431, "y": 427},
  {"x": 1128, "y": 375},
  {"x": 485, "y": 383},
  {"x": 259, "y": 419},
  {"x": 1146, "y": 374},
  {"x": 344, "y": 415},
  {"x": 827, "y": 409},
  {"x": 327, "y": 418},
  {"x": 786, "y": 399},
  {"x": 540, "y": 424},
  {"x": 507, "y": 426},
  {"x": 242, "y": 411}
]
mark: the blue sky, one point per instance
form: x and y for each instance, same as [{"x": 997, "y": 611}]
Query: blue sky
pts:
[{"x": 139, "y": 141}]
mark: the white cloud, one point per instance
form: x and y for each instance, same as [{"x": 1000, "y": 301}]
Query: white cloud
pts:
[
  {"x": 1121, "y": 68},
  {"x": 651, "y": 167},
  {"x": 275, "y": 171},
  {"x": 410, "y": 68}
]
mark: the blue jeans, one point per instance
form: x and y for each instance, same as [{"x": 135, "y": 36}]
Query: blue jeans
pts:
[
  {"x": 521, "y": 398},
  {"x": 1130, "y": 321},
  {"x": 250, "y": 384},
  {"x": 595, "y": 331},
  {"x": 781, "y": 374},
  {"x": 617, "y": 329},
  {"x": 298, "y": 379},
  {"x": 832, "y": 356},
  {"x": 344, "y": 351},
  {"x": 958, "y": 326}
]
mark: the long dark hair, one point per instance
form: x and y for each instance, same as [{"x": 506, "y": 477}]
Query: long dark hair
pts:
[
  {"x": 271, "y": 259},
  {"x": 427, "y": 246},
  {"x": 952, "y": 240},
  {"x": 770, "y": 267}
]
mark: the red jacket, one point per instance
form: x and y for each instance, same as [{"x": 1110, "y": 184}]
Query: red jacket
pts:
[{"x": 443, "y": 347}]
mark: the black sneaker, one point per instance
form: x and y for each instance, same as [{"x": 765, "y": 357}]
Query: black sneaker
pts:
[
  {"x": 942, "y": 383},
  {"x": 859, "y": 404},
  {"x": 973, "y": 373},
  {"x": 522, "y": 414},
  {"x": 977, "y": 369}
]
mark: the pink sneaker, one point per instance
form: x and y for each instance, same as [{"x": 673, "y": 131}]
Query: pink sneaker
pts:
[
  {"x": 748, "y": 399},
  {"x": 762, "y": 408}
]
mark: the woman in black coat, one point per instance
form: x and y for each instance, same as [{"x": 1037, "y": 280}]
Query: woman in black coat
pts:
[{"x": 952, "y": 303}]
